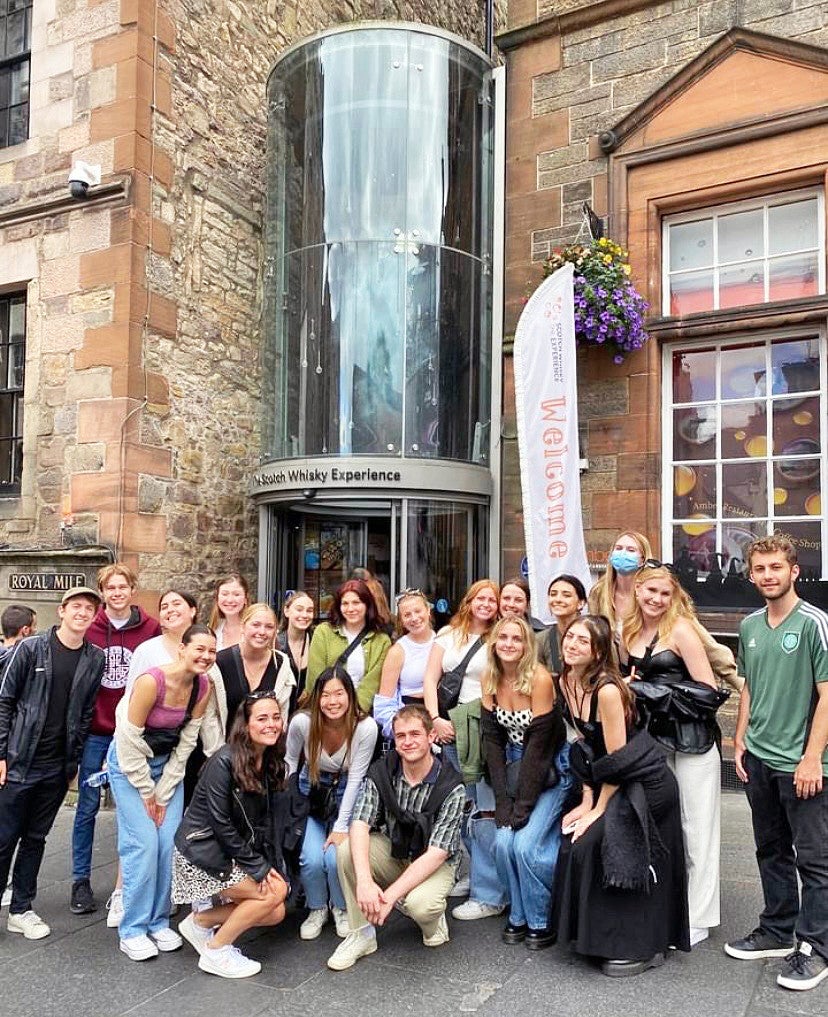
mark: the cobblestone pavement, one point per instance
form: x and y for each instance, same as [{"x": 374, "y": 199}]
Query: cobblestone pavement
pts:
[{"x": 78, "y": 971}]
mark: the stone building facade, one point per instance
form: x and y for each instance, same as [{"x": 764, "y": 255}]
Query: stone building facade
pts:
[
  {"x": 650, "y": 111},
  {"x": 142, "y": 303}
]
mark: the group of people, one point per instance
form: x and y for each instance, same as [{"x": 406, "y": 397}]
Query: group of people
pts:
[{"x": 258, "y": 761}]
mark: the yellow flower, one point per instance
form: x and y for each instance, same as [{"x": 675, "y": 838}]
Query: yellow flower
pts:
[
  {"x": 607, "y": 259},
  {"x": 626, "y": 269}
]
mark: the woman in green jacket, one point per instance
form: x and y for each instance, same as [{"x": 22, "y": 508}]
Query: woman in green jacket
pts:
[{"x": 353, "y": 617}]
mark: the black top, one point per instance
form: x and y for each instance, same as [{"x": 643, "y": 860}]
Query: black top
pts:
[
  {"x": 591, "y": 729},
  {"x": 52, "y": 745},
  {"x": 236, "y": 685},
  {"x": 664, "y": 667}
]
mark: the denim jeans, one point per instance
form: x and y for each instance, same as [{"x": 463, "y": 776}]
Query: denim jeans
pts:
[
  {"x": 526, "y": 858},
  {"x": 317, "y": 869},
  {"x": 145, "y": 851},
  {"x": 89, "y": 801},
  {"x": 791, "y": 835}
]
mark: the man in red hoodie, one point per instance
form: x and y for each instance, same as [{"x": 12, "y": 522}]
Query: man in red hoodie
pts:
[{"x": 119, "y": 628}]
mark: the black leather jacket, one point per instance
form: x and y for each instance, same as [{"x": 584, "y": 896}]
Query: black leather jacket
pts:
[
  {"x": 224, "y": 825},
  {"x": 24, "y": 699}
]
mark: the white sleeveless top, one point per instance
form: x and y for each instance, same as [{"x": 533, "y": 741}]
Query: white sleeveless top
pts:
[{"x": 415, "y": 657}]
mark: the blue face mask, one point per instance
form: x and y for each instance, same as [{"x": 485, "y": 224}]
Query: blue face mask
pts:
[{"x": 625, "y": 562}]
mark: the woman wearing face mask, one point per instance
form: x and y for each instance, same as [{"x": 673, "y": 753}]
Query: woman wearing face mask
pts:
[
  {"x": 612, "y": 595},
  {"x": 231, "y": 597},
  {"x": 353, "y": 638},
  {"x": 567, "y": 599},
  {"x": 294, "y": 638},
  {"x": 405, "y": 664},
  {"x": 330, "y": 745}
]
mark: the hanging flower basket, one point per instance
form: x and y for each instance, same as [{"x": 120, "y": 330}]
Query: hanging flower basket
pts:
[{"x": 609, "y": 311}]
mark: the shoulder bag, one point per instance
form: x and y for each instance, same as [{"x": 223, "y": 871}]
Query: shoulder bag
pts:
[{"x": 448, "y": 688}]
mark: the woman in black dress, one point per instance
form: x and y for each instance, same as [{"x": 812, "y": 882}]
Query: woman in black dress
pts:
[{"x": 621, "y": 878}]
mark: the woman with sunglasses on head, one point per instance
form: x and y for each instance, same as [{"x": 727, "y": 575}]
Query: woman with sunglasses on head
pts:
[
  {"x": 620, "y": 885},
  {"x": 661, "y": 646},
  {"x": 233, "y": 839},
  {"x": 352, "y": 637},
  {"x": 402, "y": 673},
  {"x": 612, "y": 595},
  {"x": 330, "y": 745},
  {"x": 231, "y": 596},
  {"x": 567, "y": 598},
  {"x": 156, "y": 726},
  {"x": 294, "y": 638}
]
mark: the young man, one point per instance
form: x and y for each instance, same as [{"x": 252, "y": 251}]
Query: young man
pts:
[
  {"x": 118, "y": 629},
  {"x": 780, "y": 754},
  {"x": 420, "y": 803},
  {"x": 46, "y": 699},
  {"x": 16, "y": 622}
]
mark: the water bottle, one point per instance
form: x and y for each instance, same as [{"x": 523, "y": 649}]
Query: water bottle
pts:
[{"x": 98, "y": 779}]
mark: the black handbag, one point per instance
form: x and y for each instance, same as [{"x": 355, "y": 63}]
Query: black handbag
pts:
[
  {"x": 162, "y": 740},
  {"x": 322, "y": 804},
  {"x": 448, "y": 688}
]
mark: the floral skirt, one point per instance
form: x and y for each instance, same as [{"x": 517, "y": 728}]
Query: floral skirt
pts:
[{"x": 190, "y": 883}]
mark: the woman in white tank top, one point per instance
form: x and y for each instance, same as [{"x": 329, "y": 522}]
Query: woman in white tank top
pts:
[{"x": 405, "y": 663}]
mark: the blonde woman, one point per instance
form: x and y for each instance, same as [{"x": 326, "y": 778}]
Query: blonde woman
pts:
[
  {"x": 660, "y": 644},
  {"x": 612, "y": 595},
  {"x": 524, "y": 743},
  {"x": 404, "y": 668},
  {"x": 230, "y": 598}
]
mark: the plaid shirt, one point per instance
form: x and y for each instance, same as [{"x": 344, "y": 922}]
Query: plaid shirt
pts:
[{"x": 445, "y": 833}]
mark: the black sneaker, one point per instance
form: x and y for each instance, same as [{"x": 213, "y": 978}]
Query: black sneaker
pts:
[
  {"x": 803, "y": 969},
  {"x": 757, "y": 945},
  {"x": 83, "y": 901}
]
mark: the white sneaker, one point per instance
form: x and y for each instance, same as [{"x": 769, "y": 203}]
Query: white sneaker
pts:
[
  {"x": 139, "y": 948},
  {"x": 228, "y": 962},
  {"x": 312, "y": 926},
  {"x": 461, "y": 888},
  {"x": 343, "y": 926},
  {"x": 698, "y": 935},
  {"x": 196, "y": 935},
  {"x": 471, "y": 910},
  {"x": 441, "y": 934},
  {"x": 355, "y": 945},
  {"x": 29, "y": 924},
  {"x": 167, "y": 940},
  {"x": 115, "y": 909}
]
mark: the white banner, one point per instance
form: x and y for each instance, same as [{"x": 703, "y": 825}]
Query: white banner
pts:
[{"x": 546, "y": 399}]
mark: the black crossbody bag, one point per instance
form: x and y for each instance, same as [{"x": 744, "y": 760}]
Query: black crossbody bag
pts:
[
  {"x": 448, "y": 688},
  {"x": 162, "y": 740}
]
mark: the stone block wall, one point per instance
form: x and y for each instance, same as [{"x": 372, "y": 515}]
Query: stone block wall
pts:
[{"x": 576, "y": 68}]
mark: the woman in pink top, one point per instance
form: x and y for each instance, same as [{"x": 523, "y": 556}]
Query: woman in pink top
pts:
[{"x": 156, "y": 725}]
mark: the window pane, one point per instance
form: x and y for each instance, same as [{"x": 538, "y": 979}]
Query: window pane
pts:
[
  {"x": 795, "y": 367},
  {"x": 691, "y": 245},
  {"x": 807, "y": 538},
  {"x": 792, "y": 227},
  {"x": 696, "y": 541},
  {"x": 742, "y": 284},
  {"x": 744, "y": 430},
  {"x": 691, "y": 292},
  {"x": 795, "y": 421},
  {"x": 794, "y": 277},
  {"x": 17, "y": 358},
  {"x": 7, "y": 416},
  {"x": 19, "y": 86},
  {"x": 6, "y": 462},
  {"x": 796, "y": 487},
  {"x": 694, "y": 491},
  {"x": 694, "y": 433},
  {"x": 744, "y": 490},
  {"x": 18, "y": 124},
  {"x": 694, "y": 376},
  {"x": 740, "y": 236},
  {"x": 743, "y": 371},
  {"x": 737, "y": 536}
]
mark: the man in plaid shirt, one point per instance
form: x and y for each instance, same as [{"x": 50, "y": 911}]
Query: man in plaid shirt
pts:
[{"x": 419, "y": 802}]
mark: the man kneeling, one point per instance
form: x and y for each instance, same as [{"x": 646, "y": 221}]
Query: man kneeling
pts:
[{"x": 419, "y": 801}]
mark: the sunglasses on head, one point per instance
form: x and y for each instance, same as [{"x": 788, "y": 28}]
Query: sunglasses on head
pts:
[
  {"x": 654, "y": 563},
  {"x": 408, "y": 593},
  {"x": 254, "y": 697}
]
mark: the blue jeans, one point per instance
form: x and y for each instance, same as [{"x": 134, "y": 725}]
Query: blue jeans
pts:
[
  {"x": 89, "y": 801},
  {"x": 317, "y": 869},
  {"x": 145, "y": 851},
  {"x": 526, "y": 858}
]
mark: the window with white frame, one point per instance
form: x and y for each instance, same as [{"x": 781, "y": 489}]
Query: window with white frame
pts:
[
  {"x": 744, "y": 425},
  {"x": 748, "y": 252}
]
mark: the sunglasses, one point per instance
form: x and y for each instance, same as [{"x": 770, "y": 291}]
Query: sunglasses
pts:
[
  {"x": 254, "y": 697},
  {"x": 408, "y": 593},
  {"x": 654, "y": 563}
]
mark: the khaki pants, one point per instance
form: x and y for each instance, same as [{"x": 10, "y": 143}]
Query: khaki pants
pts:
[{"x": 426, "y": 903}]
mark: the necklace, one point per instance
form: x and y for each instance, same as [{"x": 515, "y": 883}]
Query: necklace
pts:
[{"x": 572, "y": 697}]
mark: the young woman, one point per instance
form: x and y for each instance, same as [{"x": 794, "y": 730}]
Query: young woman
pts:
[
  {"x": 230, "y": 598},
  {"x": 330, "y": 745},
  {"x": 660, "y": 644},
  {"x": 612, "y": 595},
  {"x": 567, "y": 598},
  {"x": 470, "y": 627},
  {"x": 232, "y": 840},
  {"x": 294, "y": 638},
  {"x": 405, "y": 664},
  {"x": 253, "y": 664},
  {"x": 156, "y": 726},
  {"x": 621, "y": 881},
  {"x": 525, "y": 747},
  {"x": 514, "y": 599},
  {"x": 354, "y": 629}
]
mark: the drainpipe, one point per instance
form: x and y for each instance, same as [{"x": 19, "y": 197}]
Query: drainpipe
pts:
[{"x": 489, "y": 22}]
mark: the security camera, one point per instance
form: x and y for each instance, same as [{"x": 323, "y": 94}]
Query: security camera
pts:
[{"x": 82, "y": 176}]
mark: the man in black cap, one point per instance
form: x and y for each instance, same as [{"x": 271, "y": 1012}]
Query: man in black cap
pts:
[{"x": 46, "y": 698}]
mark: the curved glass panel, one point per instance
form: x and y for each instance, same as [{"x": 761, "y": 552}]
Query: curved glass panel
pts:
[{"x": 378, "y": 238}]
